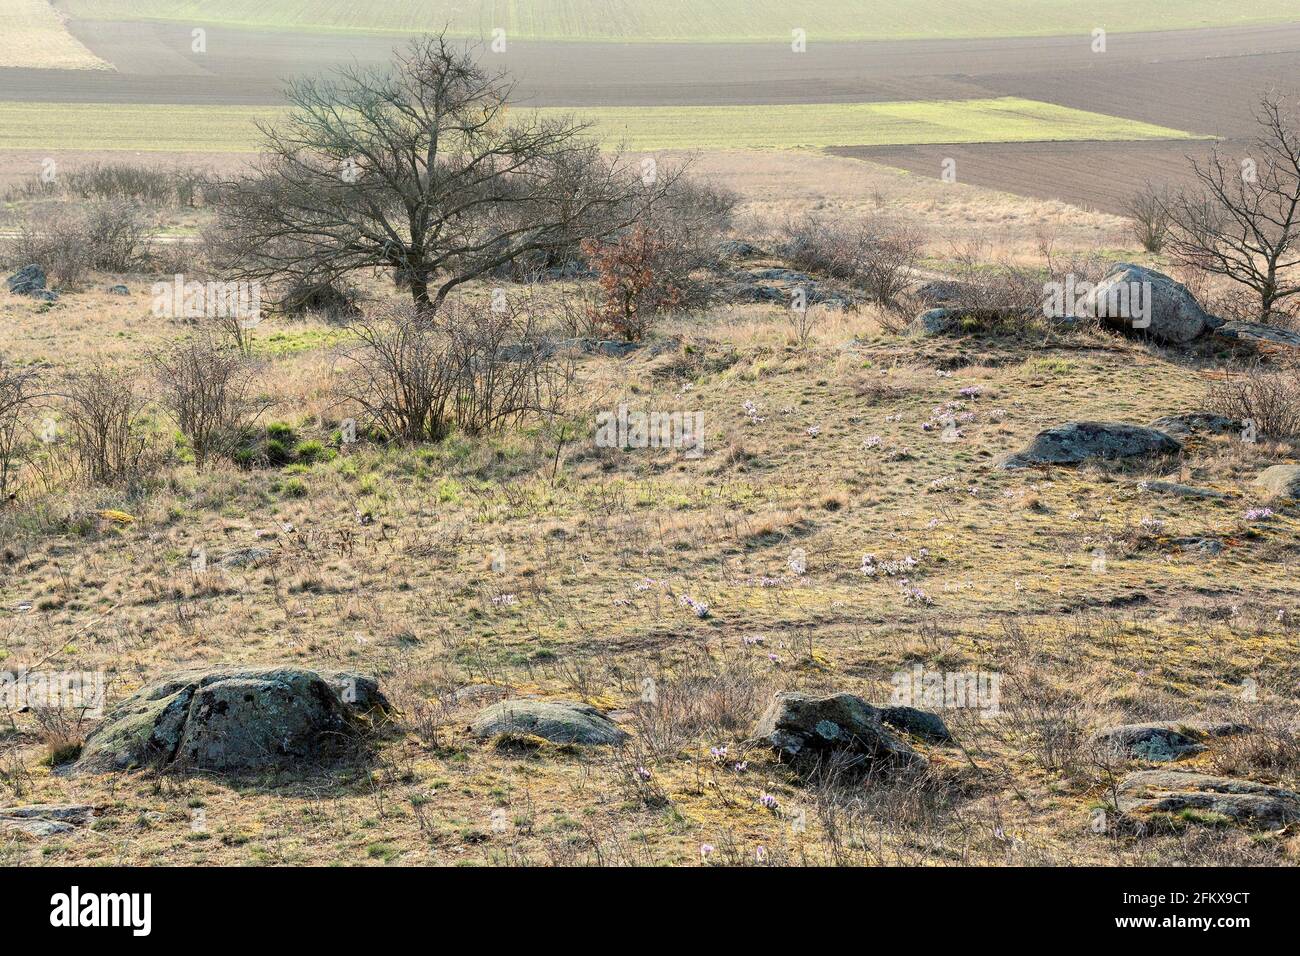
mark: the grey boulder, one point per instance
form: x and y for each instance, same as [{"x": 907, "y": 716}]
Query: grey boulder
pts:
[
  {"x": 1174, "y": 314},
  {"x": 1195, "y": 423},
  {"x": 1198, "y": 797},
  {"x": 804, "y": 729},
  {"x": 1075, "y": 442},
  {"x": 1281, "y": 481},
  {"x": 236, "y": 719},
  {"x": 559, "y": 721}
]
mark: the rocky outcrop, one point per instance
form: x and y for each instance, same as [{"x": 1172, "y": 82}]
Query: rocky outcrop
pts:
[
  {"x": 28, "y": 280},
  {"x": 1075, "y": 442},
  {"x": 236, "y": 719},
  {"x": 806, "y": 729},
  {"x": 1258, "y": 332}
]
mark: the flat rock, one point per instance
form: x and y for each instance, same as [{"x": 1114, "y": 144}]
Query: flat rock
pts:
[
  {"x": 804, "y": 729},
  {"x": 919, "y": 723},
  {"x": 1180, "y": 491},
  {"x": 243, "y": 557},
  {"x": 1281, "y": 481},
  {"x": 559, "y": 721},
  {"x": 42, "y": 820},
  {"x": 1212, "y": 799},
  {"x": 1195, "y": 423},
  {"x": 1258, "y": 332},
  {"x": 235, "y": 719},
  {"x": 1075, "y": 442}
]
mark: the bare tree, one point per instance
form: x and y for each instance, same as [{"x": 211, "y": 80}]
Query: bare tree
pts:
[
  {"x": 421, "y": 168},
  {"x": 1149, "y": 210},
  {"x": 1244, "y": 221}
]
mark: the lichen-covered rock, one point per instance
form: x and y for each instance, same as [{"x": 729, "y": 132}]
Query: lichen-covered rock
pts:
[
  {"x": 1152, "y": 795},
  {"x": 1281, "y": 481},
  {"x": 1177, "y": 490},
  {"x": 1171, "y": 310},
  {"x": 42, "y": 820},
  {"x": 559, "y": 721},
  {"x": 236, "y": 719},
  {"x": 1075, "y": 442},
  {"x": 804, "y": 728},
  {"x": 1154, "y": 742},
  {"x": 27, "y": 281}
]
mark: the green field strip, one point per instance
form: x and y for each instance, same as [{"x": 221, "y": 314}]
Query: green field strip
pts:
[{"x": 231, "y": 128}]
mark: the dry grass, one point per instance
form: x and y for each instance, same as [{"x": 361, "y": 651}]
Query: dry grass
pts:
[{"x": 598, "y": 552}]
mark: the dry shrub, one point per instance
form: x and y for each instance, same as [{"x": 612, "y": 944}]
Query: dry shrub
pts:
[
  {"x": 1268, "y": 397},
  {"x": 879, "y": 257},
  {"x": 104, "y": 417},
  {"x": 109, "y": 236},
  {"x": 1148, "y": 209},
  {"x": 208, "y": 391},
  {"x": 18, "y": 396},
  {"x": 417, "y": 375}
]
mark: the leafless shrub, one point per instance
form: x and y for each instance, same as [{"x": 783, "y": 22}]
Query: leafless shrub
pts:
[
  {"x": 1148, "y": 208},
  {"x": 103, "y": 413},
  {"x": 475, "y": 367},
  {"x": 880, "y": 257},
  {"x": 1270, "y": 398},
  {"x": 18, "y": 396},
  {"x": 110, "y": 236},
  {"x": 208, "y": 391}
]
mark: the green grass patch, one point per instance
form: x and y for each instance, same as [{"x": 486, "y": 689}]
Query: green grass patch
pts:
[
  {"x": 693, "y": 21},
  {"x": 1002, "y": 120}
]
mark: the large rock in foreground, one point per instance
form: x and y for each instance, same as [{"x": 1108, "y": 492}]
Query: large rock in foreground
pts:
[
  {"x": 1175, "y": 316},
  {"x": 236, "y": 719},
  {"x": 1281, "y": 481},
  {"x": 559, "y": 721},
  {"x": 805, "y": 730},
  {"x": 1076, "y": 442},
  {"x": 1200, "y": 798}
]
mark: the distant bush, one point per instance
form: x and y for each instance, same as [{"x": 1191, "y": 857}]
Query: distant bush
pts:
[
  {"x": 1149, "y": 211},
  {"x": 149, "y": 185},
  {"x": 1270, "y": 398},
  {"x": 879, "y": 257},
  {"x": 68, "y": 242}
]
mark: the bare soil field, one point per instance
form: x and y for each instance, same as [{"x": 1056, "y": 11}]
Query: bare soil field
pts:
[{"x": 1099, "y": 176}]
